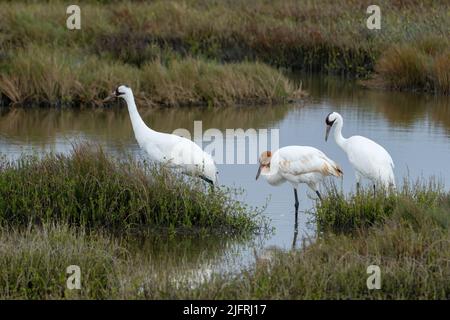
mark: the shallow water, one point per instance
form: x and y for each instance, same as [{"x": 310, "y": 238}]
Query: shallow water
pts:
[{"x": 414, "y": 128}]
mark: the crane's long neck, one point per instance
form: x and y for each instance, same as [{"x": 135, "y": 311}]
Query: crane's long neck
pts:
[
  {"x": 338, "y": 137},
  {"x": 139, "y": 126},
  {"x": 271, "y": 176}
]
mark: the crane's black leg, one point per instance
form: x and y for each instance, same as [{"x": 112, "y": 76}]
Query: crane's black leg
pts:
[
  {"x": 294, "y": 241},
  {"x": 318, "y": 194},
  {"x": 374, "y": 192},
  {"x": 357, "y": 187}
]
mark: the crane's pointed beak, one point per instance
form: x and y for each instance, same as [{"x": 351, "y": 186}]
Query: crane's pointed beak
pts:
[
  {"x": 109, "y": 98},
  {"x": 327, "y": 132},
  {"x": 258, "y": 173}
]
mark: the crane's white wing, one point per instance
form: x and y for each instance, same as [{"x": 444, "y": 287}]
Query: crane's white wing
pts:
[
  {"x": 185, "y": 154},
  {"x": 298, "y": 160},
  {"x": 368, "y": 157}
]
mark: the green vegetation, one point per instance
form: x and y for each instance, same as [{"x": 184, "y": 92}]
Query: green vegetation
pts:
[
  {"x": 88, "y": 189},
  {"x": 408, "y": 238},
  {"x": 34, "y": 260},
  {"x": 340, "y": 213},
  {"x": 414, "y": 261},
  {"x": 214, "y": 52}
]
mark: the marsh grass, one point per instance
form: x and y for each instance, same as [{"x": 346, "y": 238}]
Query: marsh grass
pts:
[
  {"x": 344, "y": 213},
  {"x": 55, "y": 77},
  {"x": 423, "y": 67},
  {"x": 413, "y": 258},
  {"x": 214, "y": 53},
  {"x": 407, "y": 236},
  {"x": 410, "y": 243},
  {"x": 89, "y": 189},
  {"x": 34, "y": 260}
]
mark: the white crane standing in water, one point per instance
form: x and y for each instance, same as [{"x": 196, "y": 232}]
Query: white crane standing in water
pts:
[
  {"x": 368, "y": 158},
  {"x": 172, "y": 150},
  {"x": 297, "y": 164}
]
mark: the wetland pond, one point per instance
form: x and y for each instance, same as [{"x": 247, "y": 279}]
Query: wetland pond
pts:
[{"x": 414, "y": 128}]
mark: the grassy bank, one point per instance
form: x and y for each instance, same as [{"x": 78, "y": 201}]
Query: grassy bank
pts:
[
  {"x": 340, "y": 213},
  {"x": 34, "y": 261},
  {"x": 421, "y": 67},
  {"x": 409, "y": 240},
  {"x": 99, "y": 213},
  {"x": 55, "y": 77},
  {"x": 89, "y": 189},
  {"x": 203, "y": 52}
]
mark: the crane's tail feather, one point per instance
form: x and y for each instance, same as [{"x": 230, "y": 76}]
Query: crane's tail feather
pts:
[
  {"x": 337, "y": 171},
  {"x": 331, "y": 168},
  {"x": 207, "y": 180}
]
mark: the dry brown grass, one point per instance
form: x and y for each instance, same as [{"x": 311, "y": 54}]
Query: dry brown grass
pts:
[
  {"x": 45, "y": 75},
  {"x": 419, "y": 68}
]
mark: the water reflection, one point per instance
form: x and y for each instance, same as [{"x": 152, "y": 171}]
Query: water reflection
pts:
[
  {"x": 400, "y": 109},
  {"x": 187, "y": 259},
  {"x": 414, "y": 128},
  {"x": 42, "y": 126}
]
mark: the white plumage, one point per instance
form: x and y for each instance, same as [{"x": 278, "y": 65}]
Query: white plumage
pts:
[
  {"x": 297, "y": 164},
  {"x": 368, "y": 158},
  {"x": 172, "y": 150}
]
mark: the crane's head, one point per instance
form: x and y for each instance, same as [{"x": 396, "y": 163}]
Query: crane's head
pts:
[
  {"x": 329, "y": 121},
  {"x": 264, "y": 162},
  {"x": 120, "y": 92}
]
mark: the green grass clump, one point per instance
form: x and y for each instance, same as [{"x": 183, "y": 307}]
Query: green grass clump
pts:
[
  {"x": 34, "y": 261},
  {"x": 342, "y": 213},
  {"x": 410, "y": 243},
  {"x": 87, "y": 188},
  {"x": 414, "y": 263}
]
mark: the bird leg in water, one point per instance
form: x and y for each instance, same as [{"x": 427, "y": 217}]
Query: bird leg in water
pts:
[
  {"x": 296, "y": 219},
  {"x": 296, "y": 203},
  {"x": 318, "y": 194},
  {"x": 294, "y": 241}
]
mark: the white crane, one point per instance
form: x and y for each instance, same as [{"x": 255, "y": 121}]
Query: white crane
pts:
[
  {"x": 368, "y": 158},
  {"x": 172, "y": 150},
  {"x": 297, "y": 164}
]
